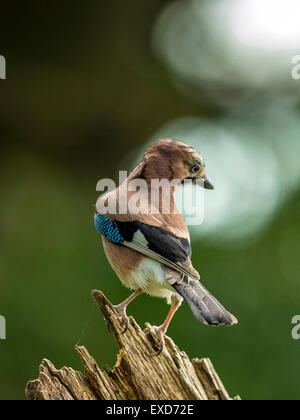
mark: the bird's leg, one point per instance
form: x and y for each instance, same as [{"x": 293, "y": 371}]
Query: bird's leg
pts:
[
  {"x": 122, "y": 308},
  {"x": 161, "y": 331}
]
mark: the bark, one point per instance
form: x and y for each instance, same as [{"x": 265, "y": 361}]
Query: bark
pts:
[{"x": 139, "y": 373}]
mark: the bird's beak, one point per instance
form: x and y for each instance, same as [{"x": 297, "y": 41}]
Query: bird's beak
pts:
[
  {"x": 208, "y": 185},
  {"x": 206, "y": 182}
]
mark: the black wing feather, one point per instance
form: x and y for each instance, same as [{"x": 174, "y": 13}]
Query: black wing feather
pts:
[
  {"x": 159, "y": 240},
  {"x": 178, "y": 250}
]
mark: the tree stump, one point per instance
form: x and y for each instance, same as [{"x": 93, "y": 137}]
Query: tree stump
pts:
[{"x": 139, "y": 373}]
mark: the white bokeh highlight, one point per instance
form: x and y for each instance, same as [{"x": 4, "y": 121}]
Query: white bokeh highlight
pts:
[{"x": 230, "y": 50}]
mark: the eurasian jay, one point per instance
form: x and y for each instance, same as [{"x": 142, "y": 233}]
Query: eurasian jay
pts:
[{"x": 150, "y": 251}]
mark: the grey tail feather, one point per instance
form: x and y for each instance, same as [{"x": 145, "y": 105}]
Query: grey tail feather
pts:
[{"x": 204, "y": 306}]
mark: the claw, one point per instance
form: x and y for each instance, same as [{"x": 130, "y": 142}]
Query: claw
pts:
[
  {"x": 122, "y": 312},
  {"x": 160, "y": 333},
  {"x": 121, "y": 309},
  {"x": 161, "y": 339},
  {"x": 126, "y": 326}
]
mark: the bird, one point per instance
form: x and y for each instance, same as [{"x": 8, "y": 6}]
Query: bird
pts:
[{"x": 149, "y": 249}]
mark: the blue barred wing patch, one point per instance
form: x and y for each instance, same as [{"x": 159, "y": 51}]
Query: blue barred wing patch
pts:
[{"x": 108, "y": 228}]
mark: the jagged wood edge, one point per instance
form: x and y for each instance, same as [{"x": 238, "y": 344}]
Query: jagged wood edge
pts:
[{"x": 138, "y": 375}]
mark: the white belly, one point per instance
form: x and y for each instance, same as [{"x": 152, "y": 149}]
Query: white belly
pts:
[{"x": 150, "y": 277}]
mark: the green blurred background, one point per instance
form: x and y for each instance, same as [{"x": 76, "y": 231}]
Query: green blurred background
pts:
[{"x": 89, "y": 86}]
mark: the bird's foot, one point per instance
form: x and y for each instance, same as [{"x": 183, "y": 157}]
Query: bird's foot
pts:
[
  {"x": 160, "y": 333},
  {"x": 121, "y": 309}
]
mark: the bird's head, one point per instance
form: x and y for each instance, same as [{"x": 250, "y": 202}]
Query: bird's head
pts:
[{"x": 173, "y": 159}]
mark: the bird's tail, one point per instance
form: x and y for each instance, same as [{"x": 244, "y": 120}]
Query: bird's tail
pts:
[{"x": 204, "y": 306}]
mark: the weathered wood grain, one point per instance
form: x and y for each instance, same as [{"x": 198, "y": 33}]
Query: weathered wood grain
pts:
[{"x": 139, "y": 373}]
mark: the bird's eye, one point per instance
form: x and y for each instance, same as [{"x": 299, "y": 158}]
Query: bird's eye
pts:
[{"x": 195, "y": 169}]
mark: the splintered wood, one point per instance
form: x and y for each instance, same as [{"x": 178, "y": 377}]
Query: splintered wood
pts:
[{"x": 139, "y": 373}]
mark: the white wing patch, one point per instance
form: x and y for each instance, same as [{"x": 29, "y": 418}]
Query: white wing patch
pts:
[{"x": 140, "y": 238}]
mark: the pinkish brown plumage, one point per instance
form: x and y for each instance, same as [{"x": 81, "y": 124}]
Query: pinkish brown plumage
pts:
[{"x": 153, "y": 254}]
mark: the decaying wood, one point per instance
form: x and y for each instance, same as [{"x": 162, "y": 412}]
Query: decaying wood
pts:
[{"x": 139, "y": 373}]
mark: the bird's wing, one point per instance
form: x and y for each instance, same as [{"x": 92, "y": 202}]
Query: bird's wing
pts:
[
  {"x": 151, "y": 241},
  {"x": 159, "y": 245}
]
